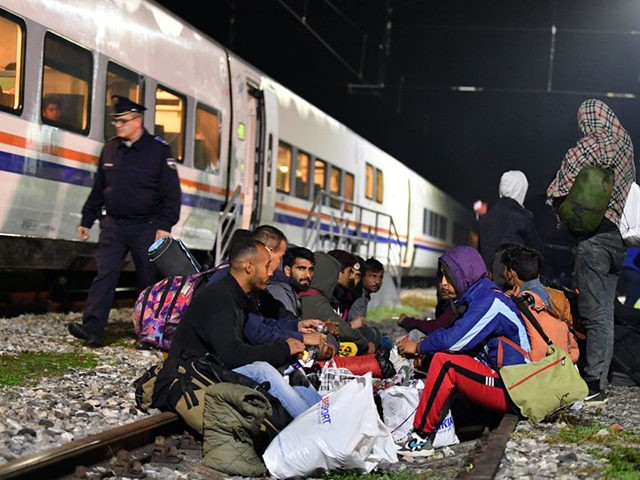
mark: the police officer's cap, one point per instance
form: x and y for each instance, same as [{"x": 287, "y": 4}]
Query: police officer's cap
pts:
[{"x": 122, "y": 106}]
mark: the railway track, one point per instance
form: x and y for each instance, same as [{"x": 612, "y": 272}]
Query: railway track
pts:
[{"x": 161, "y": 438}]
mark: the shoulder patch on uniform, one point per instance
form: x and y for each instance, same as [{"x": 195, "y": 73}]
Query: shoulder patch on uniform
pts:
[
  {"x": 161, "y": 140},
  {"x": 172, "y": 163}
]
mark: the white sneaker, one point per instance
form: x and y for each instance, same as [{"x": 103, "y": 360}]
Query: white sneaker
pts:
[{"x": 416, "y": 446}]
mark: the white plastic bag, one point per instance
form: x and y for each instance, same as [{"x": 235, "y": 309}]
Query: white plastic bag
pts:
[
  {"x": 630, "y": 219},
  {"x": 399, "y": 405},
  {"x": 342, "y": 432},
  {"x": 333, "y": 377}
]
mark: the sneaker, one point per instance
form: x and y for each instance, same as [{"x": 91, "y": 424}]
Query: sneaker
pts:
[
  {"x": 595, "y": 398},
  {"x": 416, "y": 446}
]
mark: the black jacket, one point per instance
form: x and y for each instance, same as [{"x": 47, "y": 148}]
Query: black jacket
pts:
[
  {"x": 506, "y": 222},
  {"x": 137, "y": 183}
]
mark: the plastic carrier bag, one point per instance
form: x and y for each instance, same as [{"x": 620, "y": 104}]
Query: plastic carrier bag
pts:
[
  {"x": 399, "y": 405},
  {"x": 333, "y": 435},
  {"x": 630, "y": 219}
]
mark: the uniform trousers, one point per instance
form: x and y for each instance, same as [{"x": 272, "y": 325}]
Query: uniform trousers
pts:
[
  {"x": 462, "y": 373},
  {"x": 117, "y": 238}
]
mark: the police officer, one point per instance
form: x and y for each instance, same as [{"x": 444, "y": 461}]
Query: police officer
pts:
[{"x": 136, "y": 197}]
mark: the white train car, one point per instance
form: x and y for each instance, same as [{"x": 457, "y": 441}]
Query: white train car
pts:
[{"x": 250, "y": 151}]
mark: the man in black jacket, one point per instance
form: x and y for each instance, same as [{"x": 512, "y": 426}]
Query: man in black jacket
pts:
[
  {"x": 214, "y": 323},
  {"x": 507, "y": 222}
]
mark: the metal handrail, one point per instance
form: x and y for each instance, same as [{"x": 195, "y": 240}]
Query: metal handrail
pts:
[
  {"x": 228, "y": 220},
  {"x": 338, "y": 214}
]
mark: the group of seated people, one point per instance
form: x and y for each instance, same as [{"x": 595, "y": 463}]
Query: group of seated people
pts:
[{"x": 273, "y": 302}]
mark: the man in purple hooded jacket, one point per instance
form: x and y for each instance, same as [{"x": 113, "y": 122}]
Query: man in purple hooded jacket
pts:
[{"x": 465, "y": 354}]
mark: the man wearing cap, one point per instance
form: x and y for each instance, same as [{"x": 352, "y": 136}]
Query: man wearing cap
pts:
[{"x": 136, "y": 197}]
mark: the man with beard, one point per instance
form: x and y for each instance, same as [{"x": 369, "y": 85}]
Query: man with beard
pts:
[{"x": 298, "y": 266}]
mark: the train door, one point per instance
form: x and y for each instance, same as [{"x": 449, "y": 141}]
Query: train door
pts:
[{"x": 257, "y": 134}]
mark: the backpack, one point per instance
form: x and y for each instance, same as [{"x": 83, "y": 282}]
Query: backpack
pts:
[
  {"x": 557, "y": 330},
  {"x": 584, "y": 207},
  {"x": 159, "y": 307}
]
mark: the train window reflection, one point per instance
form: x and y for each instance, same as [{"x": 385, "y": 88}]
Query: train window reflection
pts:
[
  {"x": 206, "y": 151},
  {"x": 302, "y": 175},
  {"x": 335, "y": 186},
  {"x": 169, "y": 121},
  {"x": 319, "y": 176},
  {"x": 368, "y": 183},
  {"x": 120, "y": 81},
  {"x": 283, "y": 168},
  {"x": 11, "y": 62},
  {"x": 349, "y": 183},
  {"x": 379, "y": 185},
  {"x": 66, "y": 78}
]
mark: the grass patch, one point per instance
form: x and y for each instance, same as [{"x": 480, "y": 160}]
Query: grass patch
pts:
[
  {"x": 386, "y": 314},
  {"x": 27, "y": 368},
  {"x": 621, "y": 449},
  {"x": 422, "y": 303}
]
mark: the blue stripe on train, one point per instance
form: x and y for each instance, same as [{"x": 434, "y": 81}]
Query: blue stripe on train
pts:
[
  {"x": 43, "y": 169},
  {"x": 299, "y": 222}
]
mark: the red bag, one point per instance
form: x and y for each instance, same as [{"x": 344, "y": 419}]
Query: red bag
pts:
[{"x": 359, "y": 365}]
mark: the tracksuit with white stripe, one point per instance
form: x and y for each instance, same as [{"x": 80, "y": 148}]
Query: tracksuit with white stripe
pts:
[{"x": 465, "y": 353}]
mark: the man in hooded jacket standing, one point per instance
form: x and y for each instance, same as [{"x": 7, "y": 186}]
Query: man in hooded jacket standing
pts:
[
  {"x": 599, "y": 255},
  {"x": 507, "y": 222}
]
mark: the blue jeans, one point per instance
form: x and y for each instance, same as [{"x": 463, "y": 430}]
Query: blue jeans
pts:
[
  {"x": 295, "y": 400},
  {"x": 597, "y": 267}
]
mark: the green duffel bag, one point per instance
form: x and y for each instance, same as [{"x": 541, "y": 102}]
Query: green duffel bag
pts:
[{"x": 585, "y": 205}]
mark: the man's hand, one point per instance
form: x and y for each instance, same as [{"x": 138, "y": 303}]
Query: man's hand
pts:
[
  {"x": 401, "y": 317},
  {"x": 358, "y": 322},
  {"x": 162, "y": 233},
  {"x": 309, "y": 325},
  {"x": 314, "y": 338},
  {"x": 295, "y": 346},
  {"x": 332, "y": 328},
  {"x": 372, "y": 348},
  {"x": 83, "y": 233},
  {"x": 408, "y": 348}
]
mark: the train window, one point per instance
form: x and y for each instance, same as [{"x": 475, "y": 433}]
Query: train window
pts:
[
  {"x": 66, "y": 80},
  {"x": 434, "y": 224},
  {"x": 368, "y": 184},
  {"x": 283, "y": 168},
  {"x": 303, "y": 165},
  {"x": 379, "y": 185},
  {"x": 123, "y": 82},
  {"x": 349, "y": 183},
  {"x": 206, "y": 152},
  {"x": 319, "y": 176},
  {"x": 335, "y": 186},
  {"x": 169, "y": 120},
  {"x": 11, "y": 62}
]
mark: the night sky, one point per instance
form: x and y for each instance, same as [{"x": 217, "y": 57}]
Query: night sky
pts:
[{"x": 390, "y": 69}]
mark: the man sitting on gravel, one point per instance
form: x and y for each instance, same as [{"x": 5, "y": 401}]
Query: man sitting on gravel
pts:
[
  {"x": 214, "y": 324},
  {"x": 465, "y": 354}
]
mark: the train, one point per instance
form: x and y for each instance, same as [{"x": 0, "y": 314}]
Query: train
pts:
[{"x": 249, "y": 150}]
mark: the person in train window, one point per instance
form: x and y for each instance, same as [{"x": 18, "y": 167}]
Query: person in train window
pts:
[
  {"x": 508, "y": 221},
  {"x": 51, "y": 108},
  {"x": 465, "y": 354},
  {"x": 136, "y": 197}
]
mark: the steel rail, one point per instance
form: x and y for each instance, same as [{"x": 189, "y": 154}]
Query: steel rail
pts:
[{"x": 61, "y": 461}]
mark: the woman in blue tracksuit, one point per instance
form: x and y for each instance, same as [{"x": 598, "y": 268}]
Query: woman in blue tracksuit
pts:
[{"x": 465, "y": 354}]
